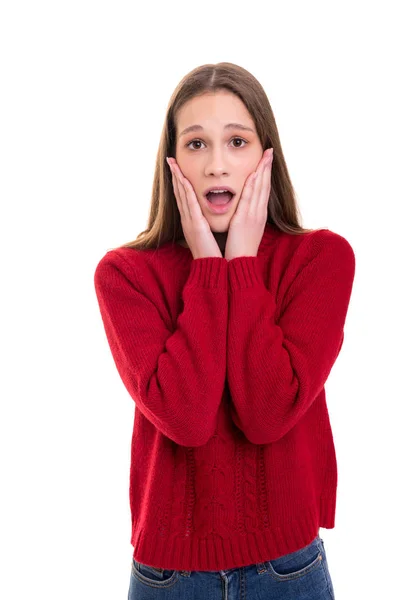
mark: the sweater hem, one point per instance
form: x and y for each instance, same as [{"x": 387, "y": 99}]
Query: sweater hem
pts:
[{"x": 215, "y": 553}]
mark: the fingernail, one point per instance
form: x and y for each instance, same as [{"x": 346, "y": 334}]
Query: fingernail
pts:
[{"x": 166, "y": 158}]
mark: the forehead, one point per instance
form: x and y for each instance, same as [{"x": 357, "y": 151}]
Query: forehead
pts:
[{"x": 213, "y": 111}]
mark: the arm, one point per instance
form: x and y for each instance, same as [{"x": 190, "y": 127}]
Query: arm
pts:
[
  {"x": 176, "y": 378},
  {"x": 276, "y": 368}
]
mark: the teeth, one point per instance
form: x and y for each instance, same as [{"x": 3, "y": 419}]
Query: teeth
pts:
[{"x": 218, "y": 191}]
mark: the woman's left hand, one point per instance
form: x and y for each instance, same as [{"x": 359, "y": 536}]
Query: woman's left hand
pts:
[{"x": 247, "y": 225}]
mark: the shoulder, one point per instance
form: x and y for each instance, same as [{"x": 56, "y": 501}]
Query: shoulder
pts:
[
  {"x": 318, "y": 256},
  {"x": 323, "y": 244},
  {"x": 118, "y": 262}
]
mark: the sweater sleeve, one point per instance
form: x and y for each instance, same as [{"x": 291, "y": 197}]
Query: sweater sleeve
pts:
[
  {"x": 176, "y": 378},
  {"x": 277, "y": 366}
]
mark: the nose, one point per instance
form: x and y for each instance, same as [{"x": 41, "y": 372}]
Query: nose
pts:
[{"x": 217, "y": 164}]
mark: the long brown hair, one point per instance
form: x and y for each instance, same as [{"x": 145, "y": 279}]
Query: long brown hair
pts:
[{"x": 164, "y": 221}]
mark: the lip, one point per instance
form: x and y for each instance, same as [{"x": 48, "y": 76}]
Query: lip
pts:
[{"x": 219, "y": 187}]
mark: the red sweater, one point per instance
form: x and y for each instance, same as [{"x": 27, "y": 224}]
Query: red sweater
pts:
[{"x": 232, "y": 455}]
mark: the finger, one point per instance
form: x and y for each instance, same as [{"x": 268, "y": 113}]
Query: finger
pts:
[
  {"x": 262, "y": 199},
  {"x": 179, "y": 194},
  {"x": 245, "y": 197},
  {"x": 253, "y": 178},
  {"x": 261, "y": 171},
  {"x": 257, "y": 190},
  {"x": 176, "y": 190},
  {"x": 188, "y": 195},
  {"x": 262, "y": 163},
  {"x": 191, "y": 199},
  {"x": 184, "y": 196}
]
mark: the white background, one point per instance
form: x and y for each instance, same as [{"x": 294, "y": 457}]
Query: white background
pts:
[{"x": 84, "y": 90}]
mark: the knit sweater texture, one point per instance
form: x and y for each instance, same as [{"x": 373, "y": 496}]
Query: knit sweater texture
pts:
[{"x": 232, "y": 455}]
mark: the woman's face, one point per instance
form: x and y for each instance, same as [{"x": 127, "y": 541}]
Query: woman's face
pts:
[{"x": 217, "y": 155}]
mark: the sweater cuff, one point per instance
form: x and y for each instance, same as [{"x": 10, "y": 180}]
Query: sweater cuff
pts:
[
  {"x": 209, "y": 272},
  {"x": 245, "y": 272}
]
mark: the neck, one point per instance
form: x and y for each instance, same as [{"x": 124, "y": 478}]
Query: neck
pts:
[{"x": 221, "y": 237}]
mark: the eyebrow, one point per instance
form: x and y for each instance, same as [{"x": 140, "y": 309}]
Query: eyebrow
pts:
[{"x": 227, "y": 126}]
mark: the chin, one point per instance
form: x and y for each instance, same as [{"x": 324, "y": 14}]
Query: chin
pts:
[{"x": 220, "y": 228}]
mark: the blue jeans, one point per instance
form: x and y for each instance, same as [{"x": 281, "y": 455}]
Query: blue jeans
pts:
[{"x": 300, "y": 574}]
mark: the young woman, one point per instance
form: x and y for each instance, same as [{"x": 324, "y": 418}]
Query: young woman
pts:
[{"x": 224, "y": 319}]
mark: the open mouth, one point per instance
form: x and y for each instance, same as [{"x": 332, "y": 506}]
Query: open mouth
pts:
[{"x": 219, "y": 198}]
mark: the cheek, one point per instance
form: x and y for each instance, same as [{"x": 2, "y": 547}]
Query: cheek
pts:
[{"x": 188, "y": 171}]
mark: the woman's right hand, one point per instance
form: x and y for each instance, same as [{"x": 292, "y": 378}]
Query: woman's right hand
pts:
[{"x": 196, "y": 229}]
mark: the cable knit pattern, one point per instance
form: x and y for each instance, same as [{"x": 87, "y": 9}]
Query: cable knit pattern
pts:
[{"x": 232, "y": 454}]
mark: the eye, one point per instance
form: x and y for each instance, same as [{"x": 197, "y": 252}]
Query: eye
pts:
[{"x": 200, "y": 141}]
